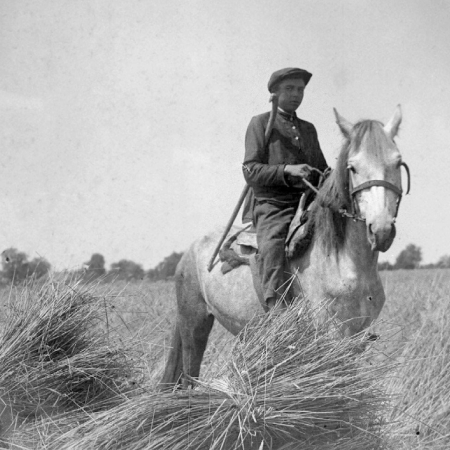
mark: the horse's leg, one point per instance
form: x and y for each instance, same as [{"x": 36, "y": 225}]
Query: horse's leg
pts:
[
  {"x": 194, "y": 320},
  {"x": 195, "y": 338},
  {"x": 187, "y": 297},
  {"x": 187, "y": 348},
  {"x": 174, "y": 365}
]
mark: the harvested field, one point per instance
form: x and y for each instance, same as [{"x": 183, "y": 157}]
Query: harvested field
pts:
[{"x": 80, "y": 365}]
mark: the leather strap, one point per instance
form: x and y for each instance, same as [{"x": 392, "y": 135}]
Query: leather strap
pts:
[
  {"x": 371, "y": 183},
  {"x": 409, "y": 177}
]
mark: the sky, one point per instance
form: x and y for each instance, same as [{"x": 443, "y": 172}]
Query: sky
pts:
[{"x": 123, "y": 122}]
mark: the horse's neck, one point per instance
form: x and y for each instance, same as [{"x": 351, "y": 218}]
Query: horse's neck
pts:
[
  {"x": 356, "y": 247},
  {"x": 354, "y": 253},
  {"x": 338, "y": 273}
]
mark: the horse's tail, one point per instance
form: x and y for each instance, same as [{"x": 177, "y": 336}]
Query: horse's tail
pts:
[{"x": 174, "y": 365}]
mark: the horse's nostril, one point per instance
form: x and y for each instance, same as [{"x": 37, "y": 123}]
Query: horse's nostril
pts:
[{"x": 370, "y": 228}]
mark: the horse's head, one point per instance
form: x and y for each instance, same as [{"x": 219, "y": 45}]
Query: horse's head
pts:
[{"x": 373, "y": 176}]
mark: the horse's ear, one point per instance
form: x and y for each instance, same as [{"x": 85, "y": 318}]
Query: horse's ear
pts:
[
  {"x": 345, "y": 126},
  {"x": 391, "y": 128}
]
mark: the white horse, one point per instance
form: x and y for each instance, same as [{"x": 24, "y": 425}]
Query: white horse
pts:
[{"x": 354, "y": 216}]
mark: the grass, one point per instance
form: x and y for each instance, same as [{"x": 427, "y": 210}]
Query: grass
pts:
[
  {"x": 320, "y": 392},
  {"x": 267, "y": 390},
  {"x": 56, "y": 353},
  {"x": 420, "y": 417}
]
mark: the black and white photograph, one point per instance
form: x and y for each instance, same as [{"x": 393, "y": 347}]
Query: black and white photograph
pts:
[{"x": 224, "y": 225}]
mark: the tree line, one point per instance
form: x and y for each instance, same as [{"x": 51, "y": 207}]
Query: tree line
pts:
[
  {"x": 127, "y": 270},
  {"x": 411, "y": 258},
  {"x": 16, "y": 267}
]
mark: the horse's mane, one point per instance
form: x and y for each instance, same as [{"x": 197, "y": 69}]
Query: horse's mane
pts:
[{"x": 329, "y": 224}]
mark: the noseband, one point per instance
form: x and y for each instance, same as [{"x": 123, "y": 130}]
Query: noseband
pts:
[{"x": 368, "y": 184}]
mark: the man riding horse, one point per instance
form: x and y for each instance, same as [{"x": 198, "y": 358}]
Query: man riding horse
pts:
[{"x": 274, "y": 168}]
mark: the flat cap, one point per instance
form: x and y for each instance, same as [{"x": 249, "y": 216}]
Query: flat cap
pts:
[{"x": 290, "y": 72}]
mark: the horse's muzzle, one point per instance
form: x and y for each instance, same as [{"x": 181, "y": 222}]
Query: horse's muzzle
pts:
[{"x": 381, "y": 239}]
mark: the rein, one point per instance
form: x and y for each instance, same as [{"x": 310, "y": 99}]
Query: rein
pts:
[{"x": 369, "y": 184}]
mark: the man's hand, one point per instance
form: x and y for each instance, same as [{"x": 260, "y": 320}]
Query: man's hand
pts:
[{"x": 298, "y": 170}]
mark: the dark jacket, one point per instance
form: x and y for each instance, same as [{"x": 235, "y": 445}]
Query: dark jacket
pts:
[{"x": 292, "y": 141}]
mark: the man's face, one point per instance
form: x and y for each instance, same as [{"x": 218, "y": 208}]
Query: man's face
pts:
[{"x": 290, "y": 94}]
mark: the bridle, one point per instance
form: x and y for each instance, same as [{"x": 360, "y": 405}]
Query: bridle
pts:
[{"x": 354, "y": 213}]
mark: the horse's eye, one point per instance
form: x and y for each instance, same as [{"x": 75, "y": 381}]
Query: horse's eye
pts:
[{"x": 350, "y": 167}]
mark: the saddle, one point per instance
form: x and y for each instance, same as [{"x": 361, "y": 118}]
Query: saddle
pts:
[{"x": 241, "y": 247}]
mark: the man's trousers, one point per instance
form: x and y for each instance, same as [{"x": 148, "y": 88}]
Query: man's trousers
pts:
[{"x": 272, "y": 221}]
